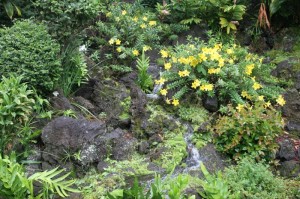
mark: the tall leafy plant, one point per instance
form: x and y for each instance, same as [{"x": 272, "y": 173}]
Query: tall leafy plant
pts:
[
  {"x": 15, "y": 184},
  {"x": 10, "y": 8},
  {"x": 144, "y": 79}
]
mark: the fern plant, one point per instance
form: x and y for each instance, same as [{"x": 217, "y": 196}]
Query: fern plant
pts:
[
  {"x": 15, "y": 184},
  {"x": 144, "y": 79}
]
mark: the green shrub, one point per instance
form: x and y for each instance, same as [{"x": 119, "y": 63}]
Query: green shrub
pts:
[
  {"x": 215, "y": 186},
  {"x": 28, "y": 50},
  {"x": 249, "y": 129},
  {"x": 17, "y": 103},
  {"x": 255, "y": 181},
  {"x": 15, "y": 184},
  {"x": 68, "y": 17},
  {"x": 227, "y": 71}
]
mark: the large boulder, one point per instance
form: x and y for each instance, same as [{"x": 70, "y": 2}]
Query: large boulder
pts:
[
  {"x": 84, "y": 142},
  {"x": 291, "y": 110}
]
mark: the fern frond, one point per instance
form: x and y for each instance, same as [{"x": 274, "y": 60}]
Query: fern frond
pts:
[
  {"x": 176, "y": 84},
  {"x": 181, "y": 92}
]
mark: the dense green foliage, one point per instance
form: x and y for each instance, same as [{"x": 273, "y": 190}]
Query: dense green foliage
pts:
[
  {"x": 249, "y": 130},
  {"x": 15, "y": 184},
  {"x": 144, "y": 79},
  {"x": 17, "y": 103},
  {"x": 255, "y": 180},
  {"x": 28, "y": 50},
  {"x": 68, "y": 17}
]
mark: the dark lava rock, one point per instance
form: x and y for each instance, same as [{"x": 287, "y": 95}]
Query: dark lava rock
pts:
[
  {"x": 60, "y": 102},
  {"x": 86, "y": 90},
  {"x": 154, "y": 71},
  {"x": 144, "y": 147},
  {"x": 196, "y": 31},
  {"x": 284, "y": 69},
  {"x": 212, "y": 159},
  {"x": 290, "y": 168},
  {"x": 192, "y": 192},
  {"x": 64, "y": 138},
  {"x": 291, "y": 110},
  {"x": 85, "y": 103},
  {"x": 102, "y": 166},
  {"x": 286, "y": 150},
  {"x": 108, "y": 97},
  {"x": 211, "y": 104}
]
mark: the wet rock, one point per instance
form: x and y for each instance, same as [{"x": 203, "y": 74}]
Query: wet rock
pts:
[
  {"x": 211, "y": 103},
  {"x": 75, "y": 196},
  {"x": 102, "y": 166},
  {"x": 86, "y": 90},
  {"x": 290, "y": 168},
  {"x": 284, "y": 69},
  {"x": 123, "y": 145},
  {"x": 60, "y": 102},
  {"x": 297, "y": 81},
  {"x": 291, "y": 110},
  {"x": 144, "y": 147},
  {"x": 154, "y": 71},
  {"x": 286, "y": 150},
  {"x": 212, "y": 159},
  {"x": 192, "y": 192},
  {"x": 84, "y": 142},
  {"x": 85, "y": 103},
  {"x": 110, "y": 97},
  {"x": 155, "y": 139},
  {"x": 64, "y": 137},
  {"x": 35, "y": 156},
  {"x": 196, "y": 31}
]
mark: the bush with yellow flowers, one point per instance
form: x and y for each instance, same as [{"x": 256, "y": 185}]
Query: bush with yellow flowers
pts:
[
  {"x": 129, "y": 28},
  {"x": 249, "y": 129},
  {"x": 228, "y": 71}
]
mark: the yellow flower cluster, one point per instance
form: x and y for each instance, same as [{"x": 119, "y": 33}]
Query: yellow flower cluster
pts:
[
  {"x": 280, "y": 100},
  {"x": 207, "y": 87},
  {"x": 184, "y": 73},
  {"x": 249, "y": 69},
  {"x": 114, "y": 41}
]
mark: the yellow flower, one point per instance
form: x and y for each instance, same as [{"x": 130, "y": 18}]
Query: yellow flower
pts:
[
  {"x": 184, "y": 73},
  {"x": 111, "y": 41},
  {"x": 164, "y": 53},
  {"x": 202, "y": 57},
  {"x": 124, "y": 12},
  {"x": 118, "y": 42},
  {"x": 196, "y": 83},
  {"x": 261, "y": 98},
  {"x": 245, "y": 95},
  {"x": 174, "y": 59},
  {"x": 280, "y": 100},
  {"x": 117, "y": 19},
  {"x": 207, "y": 87},
  {"x": 229, "y": 51},
  {"x": 240, "y": 107},
  {"x": 135, "y": 52},
  {"x": 221, "y": 62},
  {"x": 193, "y": 61},
  {"x": 168, "y": 66},
  {"x": 146, "y": 48},
  {"x": 215, "y": 56},
  {"x": 143, "y": 25},
  {"x": 230, "y": 61},
  {"x": 135, "y": 19},
  {"x": 256, "y": 86},
  {"x": 160, "y": 81},
  {"x": 168, "y": 101},
  {"x": 249, "y": 69},
  {"x": 152, "y": 23},
  {"x": 218, "y": 46},
  {"x": 175, "y": 102},
  {"x": 183, "y": 60},
  {"x": 145, "y": 18},
  {"x": 163, "y": 92},
  {"x": 214, "y": 71},
  {"x": 119, "y": 49},
  {"x": 267, "y": 104}
]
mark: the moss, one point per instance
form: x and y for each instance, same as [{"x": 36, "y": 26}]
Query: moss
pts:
[
  {"x": 96, "y": 185},
  {"x": 125, "y": 104},
  {"x": 194, "y": 114}
]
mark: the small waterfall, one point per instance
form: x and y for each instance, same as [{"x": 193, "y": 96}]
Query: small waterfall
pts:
[
  {"x": 193, "y": 160},
  {"x": 154, "y": 94}
]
